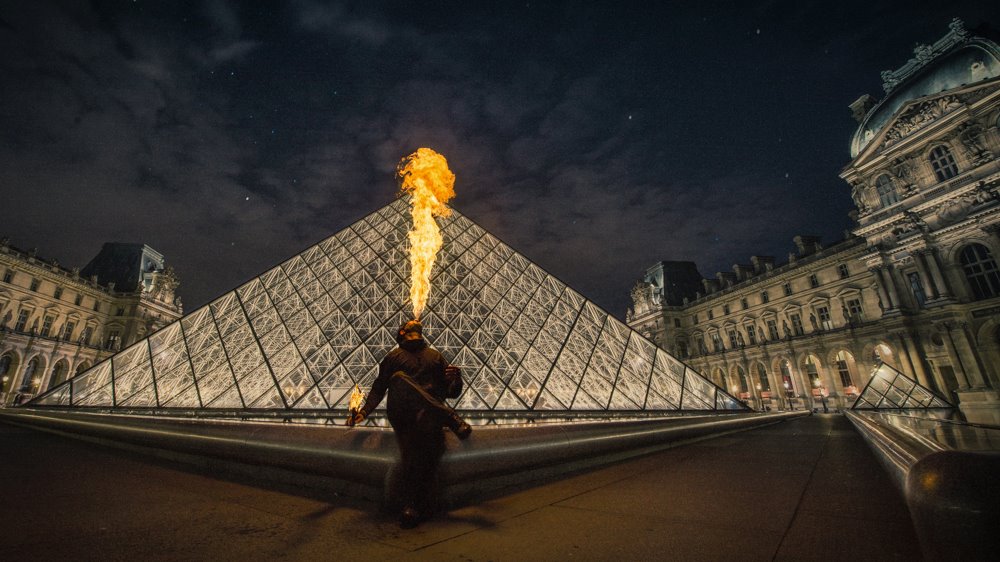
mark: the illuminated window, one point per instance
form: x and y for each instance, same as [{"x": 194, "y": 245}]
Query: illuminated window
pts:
[
  {"x": 886, "y": 191},
  {"x": 943, "y": 163},
  {"x": 981, "y": 271}
]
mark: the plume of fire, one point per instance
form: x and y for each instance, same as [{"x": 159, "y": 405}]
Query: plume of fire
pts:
[
  {"x": 425, "y": 175},
  {"x": 357, "y": 400}
]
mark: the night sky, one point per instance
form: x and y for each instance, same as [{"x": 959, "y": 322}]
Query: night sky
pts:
[{"x": 595, "y": 138}]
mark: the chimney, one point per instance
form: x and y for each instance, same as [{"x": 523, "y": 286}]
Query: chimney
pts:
[
  {"x": 743, "y": 272},
  {"x": 807, "y": 245},
  {"x": 762, "y": 264}
]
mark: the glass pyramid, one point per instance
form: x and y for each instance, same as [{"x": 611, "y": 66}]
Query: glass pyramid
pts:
[
  {"x": 300, "y": 336},
  {"x": 890, "y": 389}
]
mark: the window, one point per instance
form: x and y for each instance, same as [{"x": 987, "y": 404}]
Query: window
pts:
[
  {"x": 812, "y": 372},
  {"x": 46, "y": 326},
  {"x": 886, "y": 191},
  {"x": 786, "y": 379},
  {"x": 764, "y": 298},
  {"x": 796, "y": 324},
  {"x": 97, "y": 305},
  {"x": 787, "y": 287},
  {"x": 733, "y": 342},
  {"x": 34, "y": 284},
  {"x": 813, "y": 281},
  {"x": 843, "y": 371},
  {"x": 743, "y": 379},
  {"x": 120, "y": 311},
  {"x": 22, "y": 321},
  {"x": 113, "y": 339},
  {"x": 918, "y": 288},
  {"x": 58, "y": 292},
  {"x": 695, "y": 319},
  {"x": 716, "y": 341},
  {"x": 710, "y": 315},
  {"x": 725, "y": 309},
  {"x": 751, "y": 334},
  {"x": 744, "y": 303},
  {"x": 981, "y": 271},
  {"x": 842, "y": 269},
  {"x": 943, "y": 163},
  {"x": 701, "y": 345},
  {"x": 8, "y": 276},
  {"x": 765, "y": 386},
  {"x": 85, "y": 336},
  {"x": 854, "y": 309},
  {"x": 68, "y": 330},
  {"x": 78, "y": 300},
  {"x": 824, "y": 318},
  {"x": 772, "y": 329},
  {"x": 677, "y": 322},
  {"x": 682, "y": 349}
]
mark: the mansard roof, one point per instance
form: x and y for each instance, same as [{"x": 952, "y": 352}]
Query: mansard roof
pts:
[{"x": 956, "y": 60}]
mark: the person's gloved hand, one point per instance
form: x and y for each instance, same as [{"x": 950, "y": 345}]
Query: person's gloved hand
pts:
[{"x": 355, "y": 419}]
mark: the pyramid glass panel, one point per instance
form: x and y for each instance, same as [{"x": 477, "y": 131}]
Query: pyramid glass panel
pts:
[
  {"x": 303, "y": 333},
  {"x": 888, "y": 388}
]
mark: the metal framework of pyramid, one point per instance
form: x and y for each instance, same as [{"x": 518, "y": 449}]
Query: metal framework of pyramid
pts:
[
  {"x": 889, "y": 389},
  {"x": 300, "y": 336}
]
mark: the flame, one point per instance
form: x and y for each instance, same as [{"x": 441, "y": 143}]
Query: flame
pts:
[
  {"x": 357, "y": 400},
  {"x": 426, "y": 176}
]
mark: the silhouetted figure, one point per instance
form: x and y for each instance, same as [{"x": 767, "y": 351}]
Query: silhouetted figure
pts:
[{"x": 418, "y": 380}]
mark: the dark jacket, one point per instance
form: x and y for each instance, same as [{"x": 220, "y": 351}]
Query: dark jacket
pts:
[{"x": 421, "y": 363}]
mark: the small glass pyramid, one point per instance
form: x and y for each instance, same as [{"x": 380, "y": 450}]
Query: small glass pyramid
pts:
[
  {"x": 889, "y": 389},
  {"x": 300, "y": 336}
]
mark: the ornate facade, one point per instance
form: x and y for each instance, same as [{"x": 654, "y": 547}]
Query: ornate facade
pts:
[
  {"x": 915, "y": 283},
  {"x": 56, "y": 322}
]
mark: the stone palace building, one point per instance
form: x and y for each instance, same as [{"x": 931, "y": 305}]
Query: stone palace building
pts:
[
  {"x": 56, "y": 322},
  {"x": 915, "y": 284}
]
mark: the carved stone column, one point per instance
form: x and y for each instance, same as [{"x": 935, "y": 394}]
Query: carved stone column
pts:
[
  {"x": 888, "y": 302},
  {"x": 936, "y": 275},
  {"x": 925, "y": 278}
]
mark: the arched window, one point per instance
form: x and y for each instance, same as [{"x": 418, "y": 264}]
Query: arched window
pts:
[
  {"x": 765, "y": 386},
  {"x": 843, "y": 369},
  {"x": 981, "y": 271},
  {"x": 742, "y": 375},
  {"x": 5, "y": 371},
  {"x": 812, "y": 372},
  {"x": 886, "y": 191},
  {"x": 30, "y": 383},
  {"x": 943, "y": 163},
  {"x": 786, "y": 378},
  {"x": 59, "y": 373}
]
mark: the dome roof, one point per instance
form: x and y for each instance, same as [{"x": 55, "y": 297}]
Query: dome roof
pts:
[{"x": 955, "y": 60}]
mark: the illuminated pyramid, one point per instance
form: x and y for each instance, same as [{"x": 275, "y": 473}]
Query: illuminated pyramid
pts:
[
  {"x": 301, "y": 335},
  {"x": 890, "y": 389}
]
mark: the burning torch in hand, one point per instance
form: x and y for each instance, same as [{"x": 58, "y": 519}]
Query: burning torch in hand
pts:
[{"x": 355, "y": 414}]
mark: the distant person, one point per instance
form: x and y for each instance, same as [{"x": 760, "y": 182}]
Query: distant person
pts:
[{"x": 418, "y": 379}]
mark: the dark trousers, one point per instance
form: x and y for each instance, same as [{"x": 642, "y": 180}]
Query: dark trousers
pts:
[{"x": 417, "y": 420}]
